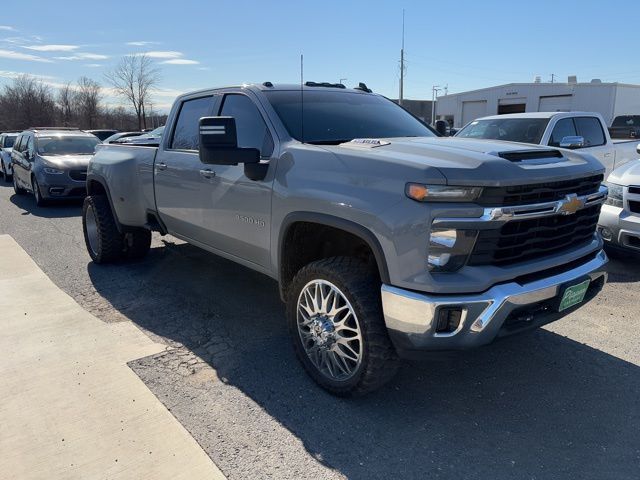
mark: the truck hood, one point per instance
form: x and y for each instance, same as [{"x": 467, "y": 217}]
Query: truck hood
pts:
[
  {"x": 66, "y": 162},
  {"x": 465, "y": 161},
  {"x": 628, "y": 174}
]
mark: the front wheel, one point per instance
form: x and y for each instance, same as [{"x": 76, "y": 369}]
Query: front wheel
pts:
[
  {"x": 335, "y": 319},
  {"x": 5, "y": 173},
  {"x": 37, "y": 194},
  {"x": 104, "y": 241}
]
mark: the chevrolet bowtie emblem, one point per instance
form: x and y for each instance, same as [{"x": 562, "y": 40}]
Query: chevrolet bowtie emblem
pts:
[{"x": 570, "y": 205}]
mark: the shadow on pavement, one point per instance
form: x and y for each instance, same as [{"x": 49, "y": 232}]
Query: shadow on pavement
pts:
[
  {"x": 623, "y": 267},
  {"x": 534, "y": 406},
  {"x": 55, "y": 209}
]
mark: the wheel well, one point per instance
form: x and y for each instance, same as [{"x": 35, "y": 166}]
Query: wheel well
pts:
[
  {"x": 95, "y": 188},
  {"x": 306, "y": 242}
]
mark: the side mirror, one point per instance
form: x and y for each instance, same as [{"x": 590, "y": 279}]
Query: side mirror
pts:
[
  {"x": 441, "y": 127},
  {"x": 638, "y": 148},
  {"x": 572, "y": 142},
  {"x": 219, "y": 143}
]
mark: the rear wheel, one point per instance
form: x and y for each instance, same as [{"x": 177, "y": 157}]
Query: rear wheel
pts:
[
  {"x": 17, "y": 188},
  {"x": 335, "y": 320},
  {"x": 105, "y": 243}
]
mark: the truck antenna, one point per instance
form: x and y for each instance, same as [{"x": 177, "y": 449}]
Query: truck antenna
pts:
[{"x": 302, "y": 98}]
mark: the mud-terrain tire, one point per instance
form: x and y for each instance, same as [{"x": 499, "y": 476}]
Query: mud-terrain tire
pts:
[
  {"x": 104, "y": 242},
  {"x": 357, "y": 290}
]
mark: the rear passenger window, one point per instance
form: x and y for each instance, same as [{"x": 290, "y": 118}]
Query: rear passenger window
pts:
[
  {"x": 186, "y": 132},
  {"x": 564, "y": 128},
  {"x": 591, "y": 129},
  {"x": 250, "y": 127},
  {"x": 18, "y": 145}
]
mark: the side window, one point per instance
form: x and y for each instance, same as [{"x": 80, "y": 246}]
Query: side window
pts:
[
  {"x": 591, "y": 129},
  {"x": 564, "y": 128},
  {"x": 18, "y": 144},
  {"x": 186, "y": 133},
  {"x": 252, "y": 131},
  {"x": 29, "y": 145}
]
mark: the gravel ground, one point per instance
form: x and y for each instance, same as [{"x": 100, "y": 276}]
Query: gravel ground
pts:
[{"x": 560, "y": 402}]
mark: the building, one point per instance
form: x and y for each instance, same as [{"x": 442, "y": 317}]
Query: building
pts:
[
  {"x": 419, "y": 108},
  {"x": 608, "y": 99}
]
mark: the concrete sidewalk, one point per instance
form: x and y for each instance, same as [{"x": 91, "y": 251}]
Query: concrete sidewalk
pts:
[{"x": 70, "y": 407}]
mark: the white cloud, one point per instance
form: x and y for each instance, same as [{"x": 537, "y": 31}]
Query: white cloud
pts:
[
  {"x": 164, "y": 54},
  {"x": 204, "y": 68},
  {"x": 141, "y": 43},
  {"x": 93, "y": 65},
  {"x": 10, "y": 74},
  {"x": 52, "y": 48},
  {"x": 84, "y": 56},
  {"x": 22, "y": 56},
  {"x": 180, "y": 61},
  {"x": 7, "y": 28}
]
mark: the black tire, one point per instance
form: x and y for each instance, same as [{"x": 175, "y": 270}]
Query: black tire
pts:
[
  {"x": 108, "y": 241},
  {"x": 358, "y": 284},
  {"x": 16, "y": 188},
  {"x": 37, "y": 193},
  {"x": 137, "y": 243},
  {"x": 7, "y": 177}
]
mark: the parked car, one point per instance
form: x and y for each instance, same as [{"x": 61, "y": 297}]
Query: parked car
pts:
[
  {"x": 120, "y": 136},
  {"x": 386, "y": 240},
  {"x": 625, "y": 126},
  {"x": 102, "y": 134},
  {"x": 6, "y": 145},
  {"x": 619, "y": 222},
  {"x": 52, "y": 163},
  {"x": 150, "y": 138},
  {"x": 581, "y": 131}
]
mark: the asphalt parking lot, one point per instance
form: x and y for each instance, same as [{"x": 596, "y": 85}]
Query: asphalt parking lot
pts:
[{"x": 560, "y": 402}]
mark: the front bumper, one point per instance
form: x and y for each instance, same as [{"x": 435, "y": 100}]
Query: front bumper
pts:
[
  {"x": 502, "y": 310},
  {"x": 61, "y": 186},
  {"x": 619, "y": 228}
]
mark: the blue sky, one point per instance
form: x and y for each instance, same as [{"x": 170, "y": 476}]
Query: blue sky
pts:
[{"x": 462, "y": 44}]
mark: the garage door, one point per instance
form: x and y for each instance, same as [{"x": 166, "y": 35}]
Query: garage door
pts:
[
  {"x": 557, "y": 103},
  {"x": 473, "y": 110}
]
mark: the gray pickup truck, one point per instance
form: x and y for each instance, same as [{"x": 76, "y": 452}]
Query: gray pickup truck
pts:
[{"x": 387, "y": 241}]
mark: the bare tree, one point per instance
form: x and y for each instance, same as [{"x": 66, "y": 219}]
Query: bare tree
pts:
[
  {"x": 87, "y": 101},
  {"x": 133, "y": 79},
  {"x": 27, "y": 102},
  {"x": 66, "y": 102}
]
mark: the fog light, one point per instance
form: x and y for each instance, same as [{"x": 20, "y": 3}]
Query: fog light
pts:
[
  {"x": 606, "y": 234},
  {"x": 448, "y": 320}
]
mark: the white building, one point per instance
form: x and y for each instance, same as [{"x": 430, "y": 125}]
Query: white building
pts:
[{"x": 608, "y": 99}]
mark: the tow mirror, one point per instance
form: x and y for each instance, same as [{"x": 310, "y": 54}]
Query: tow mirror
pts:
[
  {"x": 219, "y": 143},
  {"x": 572, "y": 142}
]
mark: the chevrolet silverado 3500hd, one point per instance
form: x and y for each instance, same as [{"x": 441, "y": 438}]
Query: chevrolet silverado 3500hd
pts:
[{"x": 386, "y": 240}]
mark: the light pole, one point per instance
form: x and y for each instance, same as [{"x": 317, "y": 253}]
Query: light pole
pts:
[
  {"x": 342, "y": 80},
  {"x": 434, "y": 96}
]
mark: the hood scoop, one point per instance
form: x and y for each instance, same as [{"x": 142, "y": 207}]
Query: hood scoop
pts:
[{"x": 537, "y": 156}]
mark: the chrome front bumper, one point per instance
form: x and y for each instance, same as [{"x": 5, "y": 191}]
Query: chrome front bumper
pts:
[
  {"x": 620, "y": 227},
  {"x": 411, "y": 316}
]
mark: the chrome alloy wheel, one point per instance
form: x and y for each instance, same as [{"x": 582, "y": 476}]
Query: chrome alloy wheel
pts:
[
  {"x": 91, "y": 225},
  {"x": 329, "y": 330}
]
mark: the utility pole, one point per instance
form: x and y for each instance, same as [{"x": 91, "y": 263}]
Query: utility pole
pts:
[
  {"x": 553, "y": 77},
  {"x": 401, "y": 96},
  {"x": 434, "y": 96}
]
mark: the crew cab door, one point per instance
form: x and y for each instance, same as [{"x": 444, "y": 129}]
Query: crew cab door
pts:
[
  {"x": 182, "y": 192},
  {"x": 242, "y": 207},
  {"x": 595, "y": 139}
]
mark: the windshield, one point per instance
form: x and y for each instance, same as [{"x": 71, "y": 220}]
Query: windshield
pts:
[
  {"x": 154, "y": 133},
  {"x": 9, "y": 140},
  {"x": 336, "y": 117},
  {"x": 626, "y": 121},
  {"x": 524, "y": 130},
  {"x": 67, "y": 145}
]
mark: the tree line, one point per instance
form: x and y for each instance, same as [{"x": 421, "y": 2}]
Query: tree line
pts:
[{"x": 29, "y": 102}]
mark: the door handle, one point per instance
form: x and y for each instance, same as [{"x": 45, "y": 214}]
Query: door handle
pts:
[
  {"x": 207, "y": 173},
  {"x": 161, "y": 166}
]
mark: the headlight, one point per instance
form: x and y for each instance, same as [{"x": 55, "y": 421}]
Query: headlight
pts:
[
  {"x": 52, "y": 171},
  {"x": 615, "y": 195},
  {"x": 449, "y": 249},
  {"x": 441, "y": 193}
]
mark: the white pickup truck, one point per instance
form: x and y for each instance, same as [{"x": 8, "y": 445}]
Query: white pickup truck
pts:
[{"x": 574, "y": 130}]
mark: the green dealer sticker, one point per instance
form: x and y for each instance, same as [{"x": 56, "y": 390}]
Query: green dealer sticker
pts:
[{"x": 574, "y": 295}]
